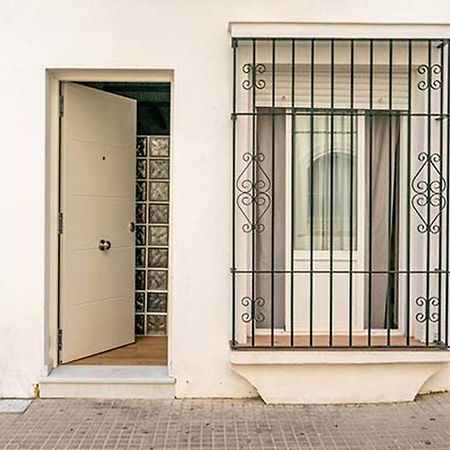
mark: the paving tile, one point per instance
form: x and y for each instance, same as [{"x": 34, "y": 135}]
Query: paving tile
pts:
[
  {"x": 14, "y": 406},
  {"x": 226, "y": 425}
]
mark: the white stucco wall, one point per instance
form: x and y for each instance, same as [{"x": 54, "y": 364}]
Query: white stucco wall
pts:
[{"x": 190, "y": 37}]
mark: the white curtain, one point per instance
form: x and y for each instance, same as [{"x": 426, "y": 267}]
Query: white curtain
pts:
[{"x": 315, "y": 154}]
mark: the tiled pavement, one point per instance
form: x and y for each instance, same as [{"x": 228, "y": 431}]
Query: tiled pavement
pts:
[{"x": 226, "y": 424}]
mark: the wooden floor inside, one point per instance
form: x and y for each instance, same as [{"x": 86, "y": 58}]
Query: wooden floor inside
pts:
[
  {"x": 146, "y": 351},
  {"x": 284, "y": 340}
]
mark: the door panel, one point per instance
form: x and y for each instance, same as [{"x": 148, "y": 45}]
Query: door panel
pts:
[
  {"x": 91, "y": 267},
  {"x": 110, "y": 221},
  {"x": 98, "y": 135},
  {"x": 98, "y": 158}
]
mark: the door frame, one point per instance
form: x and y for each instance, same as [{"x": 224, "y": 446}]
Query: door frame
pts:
[{"x": 54, "y": 78}]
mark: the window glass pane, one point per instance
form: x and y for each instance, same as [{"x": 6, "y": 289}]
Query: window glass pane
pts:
[{"x": 329, "y": 153}]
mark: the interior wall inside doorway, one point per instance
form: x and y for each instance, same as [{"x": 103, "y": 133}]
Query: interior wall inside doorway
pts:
[{"x": 153, "y": 104}]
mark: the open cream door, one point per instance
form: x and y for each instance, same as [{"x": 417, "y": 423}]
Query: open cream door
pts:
[{"x": 98, "y": 133}]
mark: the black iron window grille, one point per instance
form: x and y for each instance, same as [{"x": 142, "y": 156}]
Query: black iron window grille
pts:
[{"x": 341, "y": 162}]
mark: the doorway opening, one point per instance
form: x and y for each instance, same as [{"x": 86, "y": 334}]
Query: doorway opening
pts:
[{"x": 140, "y": 276}]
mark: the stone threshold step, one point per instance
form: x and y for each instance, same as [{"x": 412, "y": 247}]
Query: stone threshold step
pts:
[{"x": 76, "y": 381}]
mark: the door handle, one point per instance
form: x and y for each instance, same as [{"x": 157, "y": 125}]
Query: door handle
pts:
[{"x": 104, "y": 245}]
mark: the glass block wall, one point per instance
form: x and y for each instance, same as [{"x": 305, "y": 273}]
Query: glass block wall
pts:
[{"x": 152, "y": 234}]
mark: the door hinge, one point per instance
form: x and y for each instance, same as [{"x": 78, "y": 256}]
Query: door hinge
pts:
[
  {"x": 60, "y": 341},
  {"x": 61, "y": 106},
  {"x": 60, "y": 223}
]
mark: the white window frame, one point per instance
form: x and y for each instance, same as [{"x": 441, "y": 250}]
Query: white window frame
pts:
[{"x": 323, "y": 255}]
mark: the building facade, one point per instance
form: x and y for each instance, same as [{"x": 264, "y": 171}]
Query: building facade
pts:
[{"x": 225, "y": 199}]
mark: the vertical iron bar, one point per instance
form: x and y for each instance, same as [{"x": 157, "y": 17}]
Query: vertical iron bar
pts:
[
  {"x": 369, "y": 321},
  {"x": 234, "y": 44},
  {"x": 441, "y": 138},
  {"x": 311, "y": 205},
  {"x": 447, "y": 231},
  {"x": 254, "y": 182},
  {"x": 408, "y": 200},
  {"x": 428, "y": 257},
  {"x": 350, "y": 282},
  {"x": 292, "y": 188},
  {"x": 390, "y": 201},
  {"x": 331, "y": 193},
  {"x": 272, "y": 236}
]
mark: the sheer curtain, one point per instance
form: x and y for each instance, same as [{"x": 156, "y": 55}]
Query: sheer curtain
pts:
[{"x": 329, "y": 151}]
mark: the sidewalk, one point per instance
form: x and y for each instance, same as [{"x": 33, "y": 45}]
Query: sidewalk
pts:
[{"x": 226, "y": 424}]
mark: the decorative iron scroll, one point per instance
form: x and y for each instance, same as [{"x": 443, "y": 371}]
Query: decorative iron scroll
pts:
[
  {"x": 253, "y": 70},
  {"x": 426, "y": 315},
  {"x": 253, "y": 315},
  {"x": 429, "y": 82},
  {"x": 253, "y": 185},
  {"x": 428, "y": 193}
]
